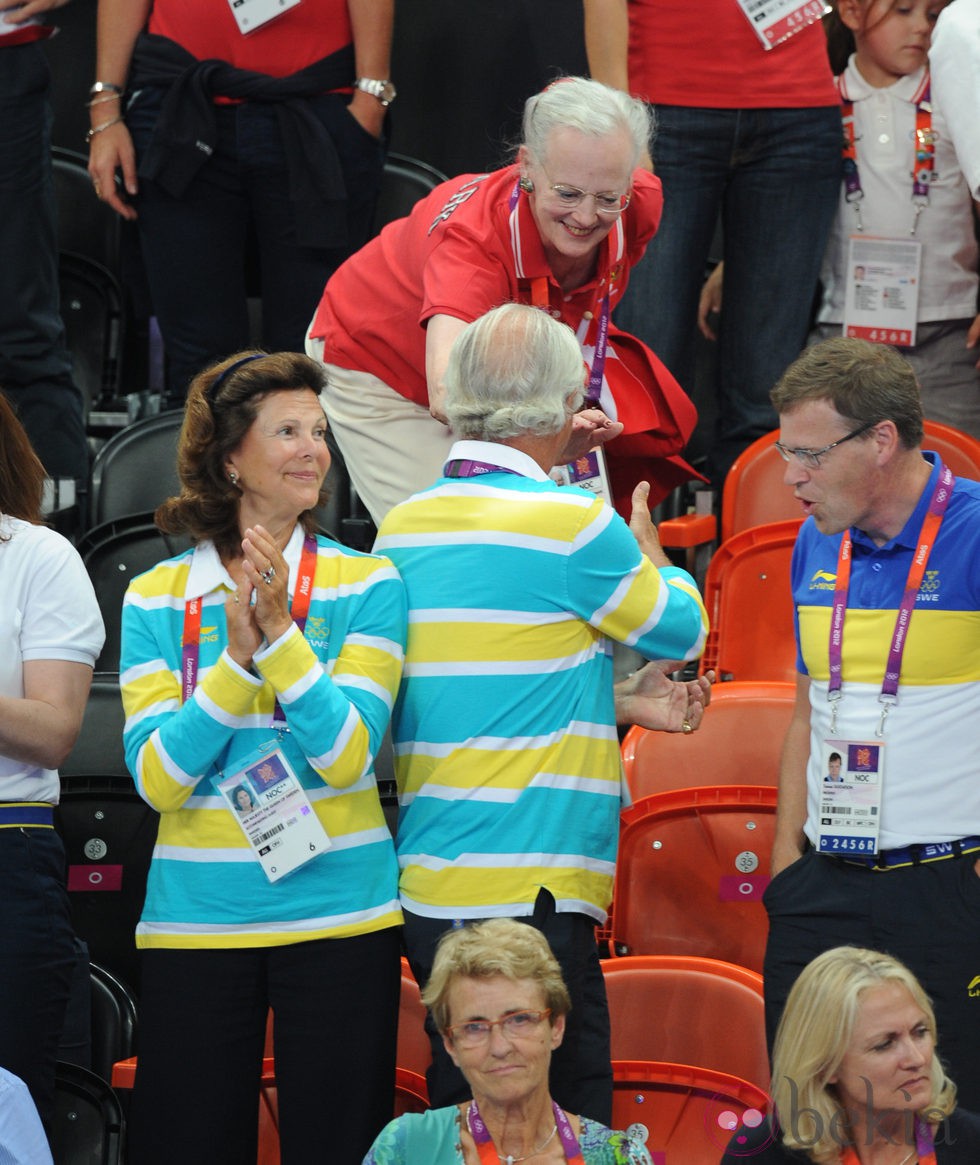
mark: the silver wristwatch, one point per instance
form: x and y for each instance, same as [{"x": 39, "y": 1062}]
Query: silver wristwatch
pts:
[{"x": 383, "y": 90}]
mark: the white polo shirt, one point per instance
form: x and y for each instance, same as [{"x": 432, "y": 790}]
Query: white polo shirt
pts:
[
  {"x": 885, "y": 131},
  {"x": 955, "y": 62},
  {"x": 48, "y": 611}
]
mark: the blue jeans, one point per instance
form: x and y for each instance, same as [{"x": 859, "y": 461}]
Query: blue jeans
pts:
[
  {"x": 194, "y": 247},
  {"x": 772, "y": 175},
  {"x": 35, "y": 367},
  {"x": 37, "y": 958}
]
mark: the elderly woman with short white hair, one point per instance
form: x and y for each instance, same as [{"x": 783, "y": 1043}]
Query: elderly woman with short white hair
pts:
[
  {"x": 497, "y": 995},
  {"x": 559, "y": 229}
]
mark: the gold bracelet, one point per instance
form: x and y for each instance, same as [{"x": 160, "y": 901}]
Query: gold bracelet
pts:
[
  {"x": 102, "y": 100},
  {"x": 99, "y": 128}
]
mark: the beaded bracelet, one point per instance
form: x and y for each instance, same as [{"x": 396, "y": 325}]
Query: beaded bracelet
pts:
[{"x": 99, "y": 128}]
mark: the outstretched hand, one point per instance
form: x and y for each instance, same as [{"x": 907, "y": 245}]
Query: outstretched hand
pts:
[{"x": 651, "y": 699}]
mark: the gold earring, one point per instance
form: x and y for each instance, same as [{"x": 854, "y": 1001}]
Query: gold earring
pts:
[{"x": 526, "y": 184}]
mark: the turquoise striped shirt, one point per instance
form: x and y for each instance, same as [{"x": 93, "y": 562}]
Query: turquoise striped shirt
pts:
[
  {"x": 504, "y": 729},
  {"x": 335, "y": 683}
]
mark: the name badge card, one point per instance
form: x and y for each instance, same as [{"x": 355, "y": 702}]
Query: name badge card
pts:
[
  {"x": 850, "y": 797},
  {"x": 777, "y": 20},
  {"x": 588, "y": 472},
  {"x": 252, "y": 14},
  {"x": 881, "y": 297},
  {"x": 274, "y": 813}
]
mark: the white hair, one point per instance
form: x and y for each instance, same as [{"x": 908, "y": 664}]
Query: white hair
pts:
[
  {"x": 514, "y": 371},
  {"x": 589, "y": 107}
]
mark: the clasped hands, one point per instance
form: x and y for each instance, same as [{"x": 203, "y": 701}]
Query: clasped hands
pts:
[{"x": 258, "y": 609}]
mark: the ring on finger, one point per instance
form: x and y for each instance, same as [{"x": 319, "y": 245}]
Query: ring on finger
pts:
[
  {"x": 268, "y": 575},
  {"x": 686, "y": 727}
]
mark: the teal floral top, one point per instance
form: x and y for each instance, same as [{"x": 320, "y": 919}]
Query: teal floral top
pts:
[{"x": 433, "y": 1138}]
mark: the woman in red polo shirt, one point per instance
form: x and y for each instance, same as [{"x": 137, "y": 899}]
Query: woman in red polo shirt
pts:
[{"x": 560, "y": 228}]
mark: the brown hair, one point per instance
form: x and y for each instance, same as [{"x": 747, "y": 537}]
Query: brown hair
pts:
[
  {"x": 866, "y": 383},
  {"x": 222, "y": 404},
  {"x": 21, "y": 472}
]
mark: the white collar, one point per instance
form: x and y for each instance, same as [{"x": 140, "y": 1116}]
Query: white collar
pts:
[
  {"x": 208, "y": 573},
  {"x": 853, "y": 86},
  {"x": 506, "y": 456}
]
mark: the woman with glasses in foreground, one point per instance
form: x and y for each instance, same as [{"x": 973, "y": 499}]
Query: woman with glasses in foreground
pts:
[
  {"x": 560, "y": 228},
  {"x": 497, "y": 995}
]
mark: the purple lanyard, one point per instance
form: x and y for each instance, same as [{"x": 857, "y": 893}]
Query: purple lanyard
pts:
[
  {"x": 465, "y": 467},
  {"x": 488, "y": 1153},
  {"x": 926, "y": 540},
  {"x": 539, "y": 298}
]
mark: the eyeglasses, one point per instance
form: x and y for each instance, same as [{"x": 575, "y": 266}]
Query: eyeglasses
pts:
[
  {"x": 607, "y": 203},
  {"x": 811, "y": 457},
  {"x": 517, "y": 1025}
]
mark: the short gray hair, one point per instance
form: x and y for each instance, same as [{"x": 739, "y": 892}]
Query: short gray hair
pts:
[
  {"x": 514, "y": 371},
  {"x": 589, "y": 107}
]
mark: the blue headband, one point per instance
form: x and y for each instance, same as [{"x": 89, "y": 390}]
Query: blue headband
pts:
[{"x": 211, "y": 392}]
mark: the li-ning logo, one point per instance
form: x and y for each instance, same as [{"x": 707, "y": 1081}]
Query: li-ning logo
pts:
[
  {"x": 973, "y": 990},
  {"x": 823, "y": 580}
]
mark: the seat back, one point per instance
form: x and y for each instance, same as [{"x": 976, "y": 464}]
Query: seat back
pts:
[
  {"x": 136, "y": 469},
  {"x": 88, "y": 1126},
  {"x": 682, "y": 1114},
  {"x": 692, "y": 866},
  {"x": 114, "y": 554},
  {"x": 703, "y": 1012},
  {"x": 405, "y": 181},
  {"x": 98, "y": 750},
  {"x": 114, "y": 1020},
  {"x": 93, "y": 312},
  {"x": 959, "y": 450},
  {"x": 108, "y": 832},
  {"x": 755, "y": 493},
  {"x": 740, "y": 739},
  {"x": 414, "y": 1051},
  {"x": 749, "y": 599},
  {"x": 86, "y": 226}
]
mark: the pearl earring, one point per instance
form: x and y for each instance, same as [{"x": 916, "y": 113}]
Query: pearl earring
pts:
[{"x": 233, "y": 477}]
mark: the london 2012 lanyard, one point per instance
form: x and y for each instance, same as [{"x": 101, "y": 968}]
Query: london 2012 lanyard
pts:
[
  {"x": 924, "y": 153},
  {"x": 926, "y": 540},
  {"x": 488, "y": 1153},
  {"x": 191, "y": 638},
  {"x": 539, "y": 298},
  {"x": 925, "y": 1150}
]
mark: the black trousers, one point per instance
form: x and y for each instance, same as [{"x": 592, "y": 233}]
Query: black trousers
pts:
[
  {"x": 581, "y": 1073},
  {"x": 202, "y": 1029},
  {"x": 927, "y": 916}
]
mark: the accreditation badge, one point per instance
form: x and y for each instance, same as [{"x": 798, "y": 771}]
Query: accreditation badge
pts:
[
  {"x": 587, "y": 472},
  {"x": 852, "y": 773},
  {"x": 273, "y": 811},
  {"x": 881, "y": 291},
  {"x": 777, "y": 20},
  {"x": 252, "y": 14}
]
